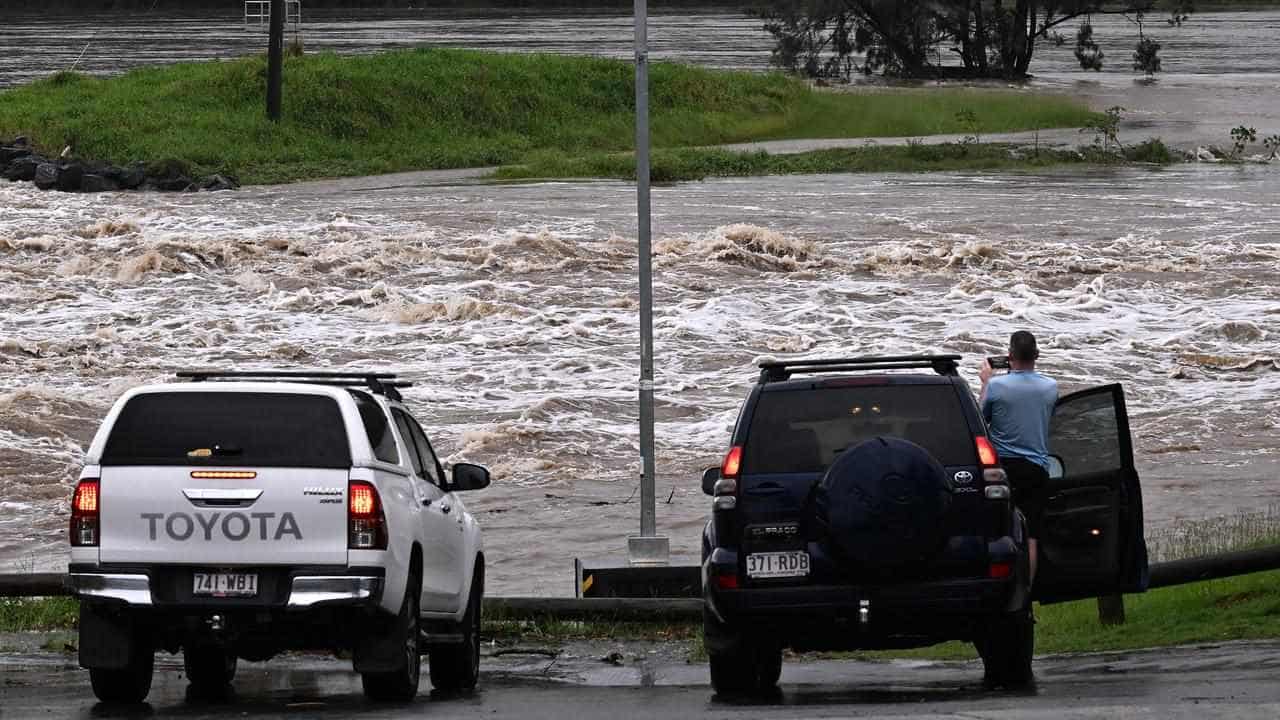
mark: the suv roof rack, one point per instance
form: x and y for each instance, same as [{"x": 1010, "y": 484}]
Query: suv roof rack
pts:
[
  {"x": 779, "y": 371},
  {"x": 380, "y": 383}
]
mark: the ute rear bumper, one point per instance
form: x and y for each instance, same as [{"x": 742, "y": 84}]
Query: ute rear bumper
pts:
[{"x": 169, "y": 587}]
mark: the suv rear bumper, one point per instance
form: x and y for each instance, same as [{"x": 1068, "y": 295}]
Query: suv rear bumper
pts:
[
  {"x": 299, "y": 589},
  {"x": 948, "y": 597},
  {"x": 843, "y": 617}
]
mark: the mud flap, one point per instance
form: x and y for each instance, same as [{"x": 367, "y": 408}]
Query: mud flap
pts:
[
  {"x": 379, "y": 647},
  {"x": 106, "y": 638}
]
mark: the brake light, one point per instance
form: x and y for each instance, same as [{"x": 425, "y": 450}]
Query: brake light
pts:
[
  {"x": 999, "y": 570},
  {"x": 986, "y": 452},
  {"x": 366, "y": 523},
  {"x": 727, "y": 582},
  {"x": 84, "y": 514},
  {"x": 732, "y": 462}
]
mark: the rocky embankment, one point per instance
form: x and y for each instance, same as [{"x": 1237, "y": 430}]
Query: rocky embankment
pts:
[{"x": 19, "y": 162}]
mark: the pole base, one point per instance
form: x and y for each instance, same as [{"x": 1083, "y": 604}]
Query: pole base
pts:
[{"x": 648, "y": 550}]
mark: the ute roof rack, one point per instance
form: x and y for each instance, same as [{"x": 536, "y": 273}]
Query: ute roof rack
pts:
[
  {"x": 380, "y": 383},
  {"x": 778, "y": 371}
]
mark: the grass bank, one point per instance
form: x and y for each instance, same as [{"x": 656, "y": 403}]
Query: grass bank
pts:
[{"x": 444, "y": 108}]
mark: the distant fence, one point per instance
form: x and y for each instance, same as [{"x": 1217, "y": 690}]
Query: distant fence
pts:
[{"x": 1178, "y": 572}]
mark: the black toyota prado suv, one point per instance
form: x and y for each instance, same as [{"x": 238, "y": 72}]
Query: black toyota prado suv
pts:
[{"x": 861, "y": 507}]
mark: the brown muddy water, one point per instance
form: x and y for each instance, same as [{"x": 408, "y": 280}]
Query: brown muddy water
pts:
[
  {"x": 512, "y": 306},
  {"x": 513, "y": 309}
]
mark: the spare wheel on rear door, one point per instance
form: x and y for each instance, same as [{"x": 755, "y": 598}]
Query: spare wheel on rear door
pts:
[{"x": 882, "y": 505}]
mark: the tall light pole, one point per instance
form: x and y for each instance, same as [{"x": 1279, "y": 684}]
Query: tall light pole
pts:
[{"x": 647, "y": 548}]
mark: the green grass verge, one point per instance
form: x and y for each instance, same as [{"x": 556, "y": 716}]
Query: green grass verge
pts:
[
  {"x": 444, "y": 108},
  {"x": 27, "y": 614}
]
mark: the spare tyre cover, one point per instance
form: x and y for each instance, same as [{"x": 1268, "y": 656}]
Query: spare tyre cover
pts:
[{"x": 882, "y": 505}]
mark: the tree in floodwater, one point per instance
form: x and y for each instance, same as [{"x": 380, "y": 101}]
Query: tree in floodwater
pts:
[{"x": 991, "y": 38}]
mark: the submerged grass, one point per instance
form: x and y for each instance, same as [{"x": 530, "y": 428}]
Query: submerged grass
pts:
[
  {"x": 698, "y": 163},
  {"x": 445, "y": 108}
]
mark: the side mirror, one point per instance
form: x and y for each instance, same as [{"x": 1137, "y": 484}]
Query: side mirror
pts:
[
  {"x": 469, "y": 477},
  {"x": 1057, "y": 469},
  {"x": 709, "y": 478}
]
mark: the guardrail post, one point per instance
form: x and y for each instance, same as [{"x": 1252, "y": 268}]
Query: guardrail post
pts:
[{"x": 1111, "y": 609}]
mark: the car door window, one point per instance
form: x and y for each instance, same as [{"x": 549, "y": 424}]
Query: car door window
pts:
[
  {"x": 1086, "y": 433},
  {"x": 406, "y": 434},
  {"x": 429, "y": 461}
]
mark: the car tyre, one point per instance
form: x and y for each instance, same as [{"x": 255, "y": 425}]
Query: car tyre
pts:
[
  {"x": 1007, "y": 650},
  {"x": 401, "y": 685},
  {"x": 210, "y": 669},
  {"x": 127, "y": 685},
  {"x": 740, "y": 666},
  {"x": 456, "y": 668}
]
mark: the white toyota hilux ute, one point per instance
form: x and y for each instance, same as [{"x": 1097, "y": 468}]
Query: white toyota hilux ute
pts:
[{"x": 239, "y": 515}]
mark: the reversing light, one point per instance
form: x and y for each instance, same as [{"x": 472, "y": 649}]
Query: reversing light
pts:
[
  {"x": 986, "y": 452},
  {"x": 725, "y": 502},
  {"x": 84, "y": 514},
  {"x": 997, "y": 492},
  {"x": 732, "y": 462}
]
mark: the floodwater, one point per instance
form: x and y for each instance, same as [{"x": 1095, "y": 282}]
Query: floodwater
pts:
[{"x": 512, "y": 306}]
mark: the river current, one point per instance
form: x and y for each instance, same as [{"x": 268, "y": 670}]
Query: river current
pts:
[{"x": 512, "y": 308}]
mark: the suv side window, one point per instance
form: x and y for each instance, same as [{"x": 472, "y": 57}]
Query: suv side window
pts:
[
  {"x": 406, "y": 434},
  {"x": 376, "y": 427},
  {"x": 429, "y": 461}
]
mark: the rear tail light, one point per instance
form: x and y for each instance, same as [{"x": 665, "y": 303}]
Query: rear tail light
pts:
[
  {"x": 366, "y": 523},
  {"x": 732, "y": 463},
  {"x": 727, "y": 582},
  {"x": 986, "y": 452},
  {"x": 84, "y": 514},
  {"x": 1000, "y": 570}
]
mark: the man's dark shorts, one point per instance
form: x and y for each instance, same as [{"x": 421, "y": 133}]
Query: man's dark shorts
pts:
[{"x": 1030, "y": 487}]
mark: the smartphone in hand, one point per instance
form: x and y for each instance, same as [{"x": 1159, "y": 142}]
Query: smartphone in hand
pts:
[{"x": 999, "y": 362}]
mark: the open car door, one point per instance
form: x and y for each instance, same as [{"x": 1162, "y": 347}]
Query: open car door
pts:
[{"x": 1092, "y": 541}]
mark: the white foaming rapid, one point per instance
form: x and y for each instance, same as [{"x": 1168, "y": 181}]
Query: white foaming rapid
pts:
[{"x": 513, "y": 308}]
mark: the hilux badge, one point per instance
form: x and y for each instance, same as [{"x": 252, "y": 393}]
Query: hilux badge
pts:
[{"x": 964, "y": 477}]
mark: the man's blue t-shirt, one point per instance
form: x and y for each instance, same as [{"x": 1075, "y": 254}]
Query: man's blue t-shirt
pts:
[{"x": 1017, "y": 409}]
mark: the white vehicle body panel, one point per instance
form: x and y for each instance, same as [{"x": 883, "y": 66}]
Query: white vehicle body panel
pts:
[{"x": 163, "y": 515}]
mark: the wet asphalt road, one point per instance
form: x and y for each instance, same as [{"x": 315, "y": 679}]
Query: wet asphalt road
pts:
[{"x": 1234, "y": 680}]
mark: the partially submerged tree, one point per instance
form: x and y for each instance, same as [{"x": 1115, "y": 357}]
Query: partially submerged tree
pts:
[{"x": 992, "y": 38}]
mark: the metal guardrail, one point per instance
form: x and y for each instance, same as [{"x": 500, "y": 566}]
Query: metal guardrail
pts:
[{"x": 1178, "y": 572}]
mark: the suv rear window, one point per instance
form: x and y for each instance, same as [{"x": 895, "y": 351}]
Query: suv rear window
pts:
[
  {"x": 241, "y": 429},
  {"x": 804, "y": 430}
]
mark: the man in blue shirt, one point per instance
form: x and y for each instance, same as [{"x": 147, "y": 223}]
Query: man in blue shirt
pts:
[{"x": 1017, "y": 407}]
